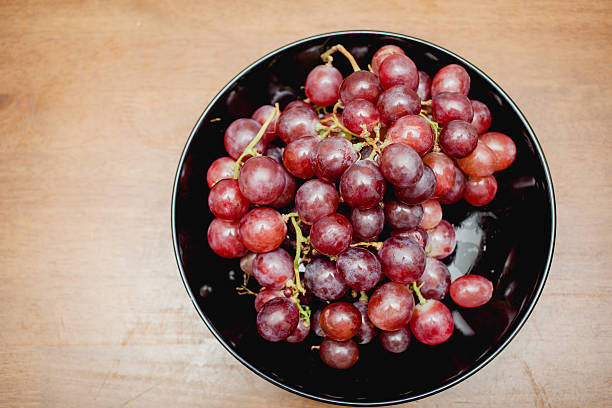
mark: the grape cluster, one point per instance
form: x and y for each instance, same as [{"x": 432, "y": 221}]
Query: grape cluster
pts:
[{"x": 386, "y": 146}]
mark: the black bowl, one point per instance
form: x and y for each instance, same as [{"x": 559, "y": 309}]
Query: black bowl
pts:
[{"x": 510, "y": 241}]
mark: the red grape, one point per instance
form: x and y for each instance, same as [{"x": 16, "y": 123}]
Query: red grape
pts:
[
  {"x": 480, "y": 191},
  {"x": 331, "y": 234},
  {"x": 295, "y": 123},
  {"x": 300, "y": 333},
  {"x": 391, "y": 306},
  {"x": 262, "y": 229},
  {"x": 482, "y": 117},
  {"x": 421, "y": 191},
  {"x": 382, "y": 53},
  {"x": 436, "y": 280},
  {"x": 424, "y": 86},
  {"x": 316, "y": 199},
  {"x": 444, "y": 170},
  {"x": 417, "y": 234},
  {"x": 262, "y": 297},
  {"x": 359, "y": 113},
  {"x": 432, "y": 322},
  {"x": 401, "y": 165},
  {"x": 261, "y": 180},
  {"x": 396, "y": 341},
  {"x": 458, "y": 138},
  {"x": 298, "y": 104},
  {"x": 402, "y": 260},
  {"x": 480, "y": 163},
  {"x": 367, "y": 331},
  {"x": 277, "y": 319},
  {"x": 315, "y": 322},
  {"x": 432, "y": 214},
  {"x": 222, "y": 168},
  {"x": 226, "y": 201},
  {"x": 362, "y": 185},
  {"x": 451, "y": 78},
  {"x": 223, "y": 238},
  {"x": 288, "y": 194},
  {"x": 367, "y": 224},
  {"x": 261, "y": 115},
  {"x": 239, "y": 134},
  {"x": 449, "y": 106},
  {"x": 331, "y": 157},
  {"x": 340, "y": 321},
  {"x": 402, "y": 216},
  {"x": 359, "y": 268},
  {"x": 273, "y": 269},
  {"x": 471, "y": 290},
  {"x": 413, "y": 131},
  {"x": 360, "y": 85},
  {"x": 296, "y": 156},
  {"x": 396, "y": 102},
  {"x": 339, "y": 354},
  {"x": 442, "y": 240},
  {"x": 502, "y": 146},
  {"x": 246, "y": 263},
  {"x": 324, "y": 280},
  {"x": 322, "y": 85},
  {"x": 398, "y": 69},
  {"x": 456, "y": 192}
]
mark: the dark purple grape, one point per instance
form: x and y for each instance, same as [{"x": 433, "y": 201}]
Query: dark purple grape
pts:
[
  {"x": 401, "y": 165},
  {"x": 340, "y": 321},
  {"x": 261, "y": 180},
  {"x": 275, "y": 152},
  {"x": 456, "y": 192},
  {"x": 288, "y": 194},
  {"x": 396, "y": 341},
  {"x": 359, "y": 268},
  {"x": 339, "y": 354},
  {"x": 315, "y": 322},
  {"x": 358, "y": 114},
  {"x": 262, "y": 230},
  {"x": 482, "y": 117},
  {"x": 360, "y": 85},
  {"x": 296, "y": 156},
  {"x": 449, "y": 106},
  {"x": 398, "y": 69},
  {"x": 362, "y": 185},
  {"x": 402, "y": 260},
  {"x": 295, "y": 123},
  {"x": 331, "y": 157},
  {"x": 451, "y": 78},
  {"x": 316, "y": 199},
  {"x": 300, "y": 333},
  {"x": 239, "y": 134},
  {"x": 260, "y": 116},
  {"x": 367, "y": 224},
  {"x": 441, "y": 240},
  {"x": 458, "y": 138},
  {"x": 223, "y": 238},
  {"x": 419, "y": 192},
  {"x": 413, "y": 131},
  {"x": 396, "y": 102},
  {"x": 444, "y": 170},
  {"x": 382, "y": 53},
  {"x": 222, "y": 168},
  {"x": 391, "y": 306},
  {"x": 273, "y": 269},
  {"x": 367, "y": 331},
  {"x": 436, "y": 280},
  {"x": 418, "y": 235},
  {"x": 226, "y": 201},
  {"x": 331, "y": 234},
  {"x": 402, "y": 216},
  {"x": 277, "y": 319},
  {"x": 324, "y": 280},
  {"x": 424, "y": 86},
  {"x": 322, "y": 85}
]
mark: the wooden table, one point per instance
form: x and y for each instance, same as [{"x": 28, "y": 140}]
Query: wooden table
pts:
[{"x": 96, "y": 102}]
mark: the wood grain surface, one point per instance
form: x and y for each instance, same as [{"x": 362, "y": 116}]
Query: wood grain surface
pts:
[{"x": 96, "y": 102}]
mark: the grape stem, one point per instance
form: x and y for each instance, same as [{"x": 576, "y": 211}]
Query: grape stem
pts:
[
  {"x": 243, "y": 290},
  {"x": 304, "y": 312},
  {"x": 435, "y": 127},
  {"x": 417, "y": 290},
  {"x": 376, "y": 245},
  {"x": 299, "y": 241},
  {"x": 327, "y": 56},
  {"x": 363, "y": 296},
  {"x": 426, "y": 103},
  {"x": 249, "y": 150}
]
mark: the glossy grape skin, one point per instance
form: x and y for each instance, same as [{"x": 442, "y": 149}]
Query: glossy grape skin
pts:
[
  {"x": 402, "y": 216},
  {"x": 295, "y": 123},
  {"x": 413, "y": 131},
  {"x": 226, "y": 201},
  {"x": 296, "y": 156},
  {"x": 480, "y": 191},
  {"x": 444, "y": 170},
  {"x": 456, "y": 192},
  {"x": 471, "y": 290},
  {"x": 359, "y": 268},
  {"x": 331, "y": 157},
  {"x": 482, "y": 117},
  {"x": 262, "y": 229},
  {"x": 223, "y": 238},
  {"x": 322, "y": 85},
  {"x": 315, "y": 199},
  {"x": 480, "y": 163},
  {"x": 239, "y": 134},
  {"x": 340, "y": 321},
  {"x": 442, "y": 240},
  {"x": 449, "y": 106},
  {"x": 451, "y": 78},
  {"x": 436, "y": 280},
  {"x": 391, "y": 306},
  {"x": 222, "y": 168},
  {"x": 262, "y": 297},
  {"x": 401, "y": 165},
  {"x": 358, "y": 113},
  {"x": 298, "y": 104},
  {"x": 324, "y": 280},
  {"x": 277, "y": 319},
  {"x": 417, "y": 234},
  {"x": 419, "y": 192},
  {"x": 382, "y": 53},
  {"x": 432, "y": 214},
  {"x": 502, "y": 146},
  {"x": 362, "y": 185},
  {"x": 300, "y": 333},
  {"x": 246, "y": 263},
  {"x": 261, "y": 180},
  {"x": 261, "y": 115},
  {"x": 402, "y": 259},
  {"x": 331, "y": 234},
  {"x": 273, "y": 269},
  {"x": 396, "y": 102},
  {"x": 275, "y": 153},
  {"x": 360, "y": 85},
  {"x": 398, "y": 69},
  {"x": 288, "y": 194},
  {"x": 432, "y": 322},
  {"x": 396, "y": 341},
  {"x": 458, "y": 138},
  {"x": 339, "y": 354},
  {"x": 424, "y": 88},
  {"x": 366, "y": 331},
  {"x": 315, "y": 323},
  {"x": 367, "y": 224}
]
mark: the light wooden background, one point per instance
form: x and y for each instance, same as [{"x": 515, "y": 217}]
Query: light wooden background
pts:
[{"x": 96, "y": 101}]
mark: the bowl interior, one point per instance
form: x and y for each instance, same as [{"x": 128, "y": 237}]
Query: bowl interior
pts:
[{"x": 509, "y": 241}]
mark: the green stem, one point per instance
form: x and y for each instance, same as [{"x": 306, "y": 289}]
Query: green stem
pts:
[
  {"x": 304, "y": 312},
  {"x": 363, "y": 296},
  {"x": 299, "y": 239},
  {"x": 376, "y": 245},
  {"x": 417, "y": 290},
  {"x": 249, "y": 150},
  {"x": 436, "y": 128}
]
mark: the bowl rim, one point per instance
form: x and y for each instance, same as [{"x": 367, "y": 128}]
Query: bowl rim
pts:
[{"x": 444, "y": 385}]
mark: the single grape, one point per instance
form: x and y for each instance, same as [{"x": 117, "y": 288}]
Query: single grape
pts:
[
  {"x": 316, "y": 199},
  {"x": 275, "y": 152},
  {"x": 261, "y": 180},
  {"x": 442, "y": 240},
  {"x": 444, "y": 170},
  {"x": 359, "y": 114},
  {"x": 432, "y": 322},
  {"x": 456, "y": 192},
  {"x": 277, "y": 319},
  {"x": 362, "y": 185},
  {"x": 432, "y": 214},
  {"x": 315, "y": 322},
  {"x": 367, "y": 224},
  {"x": 226, "y": 201},
  {"x": 366, "y": 331},
  {"x": 339, "y": 354},
  {"x": 295, "y": 123},
  {"x": 262, "y": 229},
  {"x": 471, "y": 290},
  {"x": 402, "y": 260},
  {"x": 331, "y": 234},
  {"x": 322, "y": 85},
  {"x": 435, "y": 280},
  {"x": 458, "y": 138},
  {"x": 261, "y": 115},
  {"x": 360, "y": 85},
  {"x": 398, "y": 69},
  {"x": 223, "y": 238},
  {"x": 391, "y": 306},
  {"x": 300, "y": 333},
  {"x": 396, "y": 341},
  {"x": 482, "y": 117},
  {"x": 480, "y": 163},
  {"x": 451, "y": 78},
  {"x": 296, "y": 156},
  {"x": 502, "y": 146},
  {"x": 417, "y": 234},
  {"x": 396, "y": 102},
  {"x": 449, "y": 106},
  {"x": 239, "y": 134},
  {"x": 273, "y": 269},
  {"x": 402, "y": 216},
  {"x": 262, "y": 297},
  {"x": 359, "y": 268},
  {"x": 480, "y": 191},
  {"x": 413, "y": 131},
  {"x": 298, "y": 104},
  {"x": 401, "y": 165},
  {"x": 331, "y": 157},
  {"x": 324, "y": 280},
  {"x": 222, "y": 168},
  {"x": 419, "y": 192},
  {"x": 340, "y": 321},
  {"x": 382, "y": 53},
  {"x": 424, "y": 89},
  {"x": 288, "y": 194},
  {"x": 246, "y": 263}
]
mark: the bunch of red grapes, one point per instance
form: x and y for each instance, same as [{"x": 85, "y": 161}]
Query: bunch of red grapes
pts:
[{"x": 387, "y": 128}]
